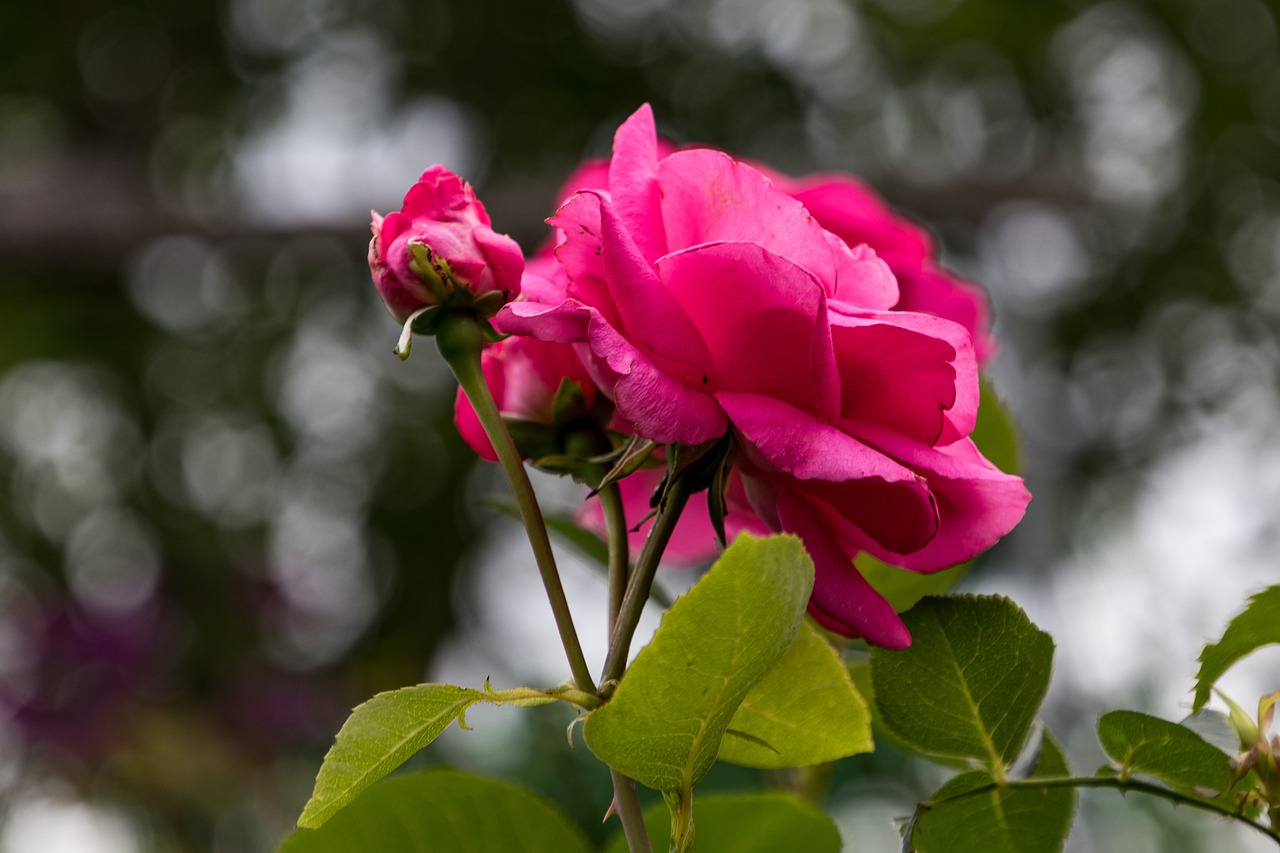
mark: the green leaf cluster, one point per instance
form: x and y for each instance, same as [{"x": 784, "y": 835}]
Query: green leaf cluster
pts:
[{"x": 734, "y": 672}]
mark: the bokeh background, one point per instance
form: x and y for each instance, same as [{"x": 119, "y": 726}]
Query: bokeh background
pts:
[{"x": 227, "y": 513}]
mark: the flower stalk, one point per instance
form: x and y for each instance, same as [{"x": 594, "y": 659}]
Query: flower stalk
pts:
[
  {"x": 641, "y": 581},
  {"x": 460, "y": 337}
]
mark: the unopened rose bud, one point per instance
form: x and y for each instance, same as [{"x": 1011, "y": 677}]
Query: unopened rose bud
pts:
[{"x": 439, "y": 249}]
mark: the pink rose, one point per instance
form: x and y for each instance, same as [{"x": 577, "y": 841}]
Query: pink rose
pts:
[
  {"x": 703, "y": 299},
  {"x": 440, "y": 248},
  {"x": 857, "y": 215}
]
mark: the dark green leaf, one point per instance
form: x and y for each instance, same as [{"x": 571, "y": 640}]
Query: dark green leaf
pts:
[
  {"x": 442, "y": 810},
  {"x": 1257, "y": 626},
  {"x": 806, "y": 710},
  {"x": 664, "y": 725},
  {"x": 1034, "y": 820},
  {"x": 1140, "y": 743},
  {"x": 971, "y": 682},
  {"x": 746, "y": 823}
]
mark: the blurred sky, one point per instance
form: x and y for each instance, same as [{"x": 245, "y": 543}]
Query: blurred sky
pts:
[{"x": 228, "y": 513}]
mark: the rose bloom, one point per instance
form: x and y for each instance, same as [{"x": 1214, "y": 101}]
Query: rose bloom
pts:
[
  {"x": 852, "y": 211},
  {"x": 443, "y": 215},
  {"x": 702, "y": 299}
]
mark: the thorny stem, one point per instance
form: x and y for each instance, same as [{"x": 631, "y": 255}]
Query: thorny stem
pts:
[
  {"x": 624, "y": 788},
  {"x": 624, "y": 791},
  {"x": 459, "y": 339},
  {"x": 1114, "y": 782}
]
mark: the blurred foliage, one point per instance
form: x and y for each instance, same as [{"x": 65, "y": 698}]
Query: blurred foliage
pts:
[{"x": 229, "y": 514}]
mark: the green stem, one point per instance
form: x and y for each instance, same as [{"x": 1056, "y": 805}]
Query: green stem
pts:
[
  {"x": 624, "y": 791},
  {"x": 664, "y": 524},
  {"x": 615, "y": 519},
  {"x": 624, "y": 788},
  {"x": 1115, "y": 783},
  {"x": 459, "y": 338}
]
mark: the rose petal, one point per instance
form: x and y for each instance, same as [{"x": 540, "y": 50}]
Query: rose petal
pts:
[
  {"x": 863, "y": 278},
  {"x": 842, "y": 599},
  {"x": 649, "y": 316},
  {"x": 709, "y": 197},
  {"x": 633, "y": 182},
  {"x": 790, "y": 440},
  {"x": 762, "y": 319},
  {"x": 977, "y": 502},
  {"x": 914, "y": 373},
  {"x": 887, "y": 501}
]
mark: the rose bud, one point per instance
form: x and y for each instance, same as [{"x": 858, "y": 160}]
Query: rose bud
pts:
[{"x": 440, "y": 251}]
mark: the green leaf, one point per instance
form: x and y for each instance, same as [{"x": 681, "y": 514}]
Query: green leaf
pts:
[
  {"x": 746, "y": 823},
  {"x": 999, "y": 820},
  {"x": 378, "y": 737},
  {"x": 385, "y": 731},
  {"x": 443, "y": 810},
  {"x": 971, "y": 682},
  {"x": 902, "y": 588},
  {"x": 1257, "y": 626},
  {"x": 806, "y": 710},
  {"x": 664, "y": 725},
  {"x": 1141, "y": 743}
]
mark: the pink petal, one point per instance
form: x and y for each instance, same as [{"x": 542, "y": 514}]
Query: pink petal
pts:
[
  {"x": 885, "y": 500},
  {"x": 660, "y": 407},
  {"x": 789, "y": 440},
  {"x": 911, "y": 372},
  {"x": 863, "y": 278},
  {"x": 930, "y": 290},
  {"x": 580, "y": 250},
  {"x": 633, "y": 182},
  {"x": 741, "y": 296},
  {"x": 709, "y": 197},
  {"x": 856, "y": 214},
  {"x": 842, "y": 599},
  {"x": 657, "y": 405},
  {"x": 648, "y": 315},
  {"x": 977, "y": 503},
  {"x": 566, "y": 321}
]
